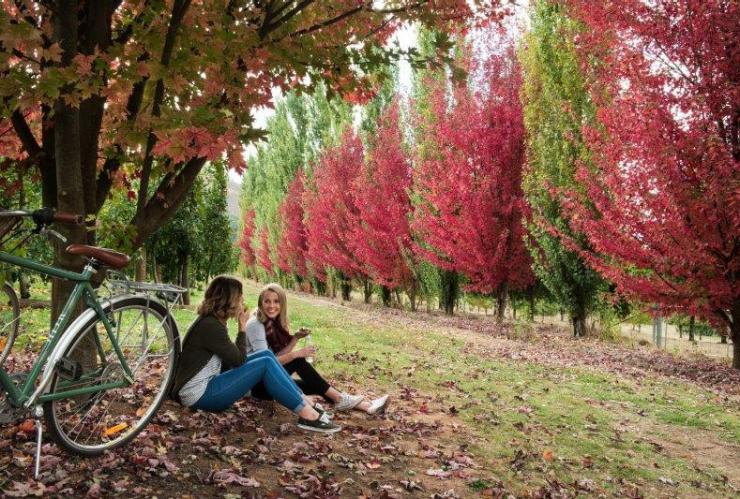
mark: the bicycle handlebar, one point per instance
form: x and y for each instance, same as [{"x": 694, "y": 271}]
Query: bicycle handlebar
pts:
[{"x": 46, "y": 216}]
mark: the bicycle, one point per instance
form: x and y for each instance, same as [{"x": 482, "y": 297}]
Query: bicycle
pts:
[{"x": 100, "y": 376}]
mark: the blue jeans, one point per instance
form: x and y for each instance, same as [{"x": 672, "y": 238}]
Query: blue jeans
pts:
[{"x": 228, "y": 387}]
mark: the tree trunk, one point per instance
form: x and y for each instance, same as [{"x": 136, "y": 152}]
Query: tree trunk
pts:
[
  {"x": 579, "y": 325},
  {"x": 320, "y": 288},
  {"x": 185, "y": 279},
  {"x": 412, "y": 294},
  {"x": 449, "y": 291},
  {"x": 70, "y": 192},
  {"x": 367, "y": 286},
  {"x": 735, "y": 333},
  {"x": 141, "y": 265},
  {"x": 385, "y": 296},
  {"x": 346, "y": 288},
  {"x": 692, "y": 326},
  {"x": 501, "y": 295},
  {"x": 24, "y": 285},
  {"x": 531, "y": 300}
]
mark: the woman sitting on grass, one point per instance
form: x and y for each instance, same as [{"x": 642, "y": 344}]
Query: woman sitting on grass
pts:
[
  {"x": 268, "y": 329},
  {"x": 213, "y": 372}
]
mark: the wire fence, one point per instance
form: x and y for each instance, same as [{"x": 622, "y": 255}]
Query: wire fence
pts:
[{"x": 667, "y": 337}]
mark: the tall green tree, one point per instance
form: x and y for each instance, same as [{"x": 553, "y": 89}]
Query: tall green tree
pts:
[
  {"x": 300, "y": 128},
  {"x": 217, "y": 254},
  {"x": 556, "y": 105}
]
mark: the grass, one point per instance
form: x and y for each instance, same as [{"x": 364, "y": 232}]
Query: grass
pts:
[
  {"x": 528, "y": 425},
  {"x": 596, "y": 425}
]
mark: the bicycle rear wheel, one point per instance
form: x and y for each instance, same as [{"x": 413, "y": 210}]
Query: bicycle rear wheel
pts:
[
  {"x": 92, "y": 423},
  {"x": 9, "y": 317}
]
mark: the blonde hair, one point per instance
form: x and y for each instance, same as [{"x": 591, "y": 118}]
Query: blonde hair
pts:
[
  {"x": 222, "y": 297},
  {"x": 283, "y": 316}
]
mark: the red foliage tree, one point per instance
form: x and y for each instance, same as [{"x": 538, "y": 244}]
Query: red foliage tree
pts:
[
  {"x": 331, "y": 212},
  {"x": 661, "y": 197},
  {"x": 471, "y": 203},
  {"x": 382, "y": 240},
  {"x": 293, "y": 244},
  {"x": 245, "y": 242},
  {"x": 263, "y": 251}
]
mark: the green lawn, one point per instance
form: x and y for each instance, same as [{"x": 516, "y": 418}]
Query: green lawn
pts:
[{"x": 527, "y": 424}]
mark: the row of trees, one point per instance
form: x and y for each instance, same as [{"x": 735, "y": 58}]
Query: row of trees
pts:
[
  {"x": 630, "y": 118},
  {"x": 374, "y": 208},
  {"x": 101, "y": 95}
]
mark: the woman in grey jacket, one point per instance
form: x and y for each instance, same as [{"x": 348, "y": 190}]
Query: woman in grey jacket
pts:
[{"x": 267, "y": 330}]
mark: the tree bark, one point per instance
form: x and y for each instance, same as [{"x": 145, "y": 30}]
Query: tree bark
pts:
[
  {"x": 578, "y": 318},
  {"x": 368, "y": 290},
  {"x": 735, "y": 333},
  {"x": 346, "y": 288},
  {"x": 385, "y": 295},
  {"x": 449, "y": 291},
  {"x": 501, "y": 295},
  {"x": 141, "y": 265},
  {"x": 185, "y": 279},
  {"x": 692, "y": 327},
  {"x": 69, "y": 181}
]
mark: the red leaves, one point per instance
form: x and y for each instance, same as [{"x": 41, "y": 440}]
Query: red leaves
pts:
[
  {"x": 382, "y": 238},
  {"x": 469, "y": 179},
  {"x": 331, "y": 212},
  {"x": 660, "y": 201}
]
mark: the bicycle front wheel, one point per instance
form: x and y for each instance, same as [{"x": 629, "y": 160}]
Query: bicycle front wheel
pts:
[
  {"x": 91, "y": 423},
  {"x": 9, "y": 318}
]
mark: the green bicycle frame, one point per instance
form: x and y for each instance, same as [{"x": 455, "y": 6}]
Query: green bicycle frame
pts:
[{"x": 83, "y": 289}]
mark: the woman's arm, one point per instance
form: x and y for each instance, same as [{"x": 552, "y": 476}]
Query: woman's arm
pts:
[{"x": 287, "y": 354}]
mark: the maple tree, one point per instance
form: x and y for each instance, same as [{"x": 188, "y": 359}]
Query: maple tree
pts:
[
  {"x": 557, "y": 103},
  {"x": 293, "y": 245},
  {"x": 382, "y": 240},
  {"x": 331, "y": 213},
  {"x": 245, "y": 240},
  {"x": 472, "y": 207},
  {"x": 659, "y": 198},
  {"x": 142, "y": 94},
  {"x": 263, "y": 251}
]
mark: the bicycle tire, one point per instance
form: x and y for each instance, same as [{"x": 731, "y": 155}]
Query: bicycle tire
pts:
[
  {"x": 93, "y": 423},
  {"x": 10, "y": 312}
]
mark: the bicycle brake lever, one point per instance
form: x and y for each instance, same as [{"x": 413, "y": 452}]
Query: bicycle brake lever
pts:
[{"x": 56, "y": 234}]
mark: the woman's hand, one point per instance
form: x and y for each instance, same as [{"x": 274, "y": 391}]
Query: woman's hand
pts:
[
  {"x": 305, "y": 352},
  {"x": 242, "y": 316},
  {"x": 302, "y": 333}
]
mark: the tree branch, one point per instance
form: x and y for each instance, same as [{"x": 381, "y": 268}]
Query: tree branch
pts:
[{"x": 24, "y": 133}]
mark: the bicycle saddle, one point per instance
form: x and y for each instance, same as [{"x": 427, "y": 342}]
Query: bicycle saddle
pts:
[{"x": 111, "y": 258}]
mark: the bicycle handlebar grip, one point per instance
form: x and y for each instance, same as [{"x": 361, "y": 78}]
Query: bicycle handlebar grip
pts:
[{"x": 68, "y": 218}]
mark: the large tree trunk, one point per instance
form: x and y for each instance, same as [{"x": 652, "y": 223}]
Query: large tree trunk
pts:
[
  {"x": 579, "y": 325},
  {"x": 692, "y": 328},
  {"x": 501, "y": 294},
  {"x": 70, "y": 191}
]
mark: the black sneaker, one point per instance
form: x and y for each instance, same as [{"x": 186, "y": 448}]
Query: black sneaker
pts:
[
  {"x": 320, "y": 409},
  {"x": 321, "y": 425}
]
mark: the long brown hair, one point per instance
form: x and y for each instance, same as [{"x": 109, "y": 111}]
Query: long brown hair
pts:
[
  {"x": 277, "y": 332},
  {"x": 222, "y": 298}
]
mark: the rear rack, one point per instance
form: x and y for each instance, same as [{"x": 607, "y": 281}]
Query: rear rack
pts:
[{"x": 169, "y": 294}]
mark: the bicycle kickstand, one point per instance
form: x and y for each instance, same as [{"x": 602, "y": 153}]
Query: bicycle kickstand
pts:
[{"x": 38, "y": 414}]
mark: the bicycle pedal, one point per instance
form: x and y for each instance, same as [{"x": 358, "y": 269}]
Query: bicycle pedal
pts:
[{"x": 69, "y": 369}]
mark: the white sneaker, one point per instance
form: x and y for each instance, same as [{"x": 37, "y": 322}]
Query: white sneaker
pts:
[
  {"x": 378, "y": 405},
  {"x": 348, "y": 402}
]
